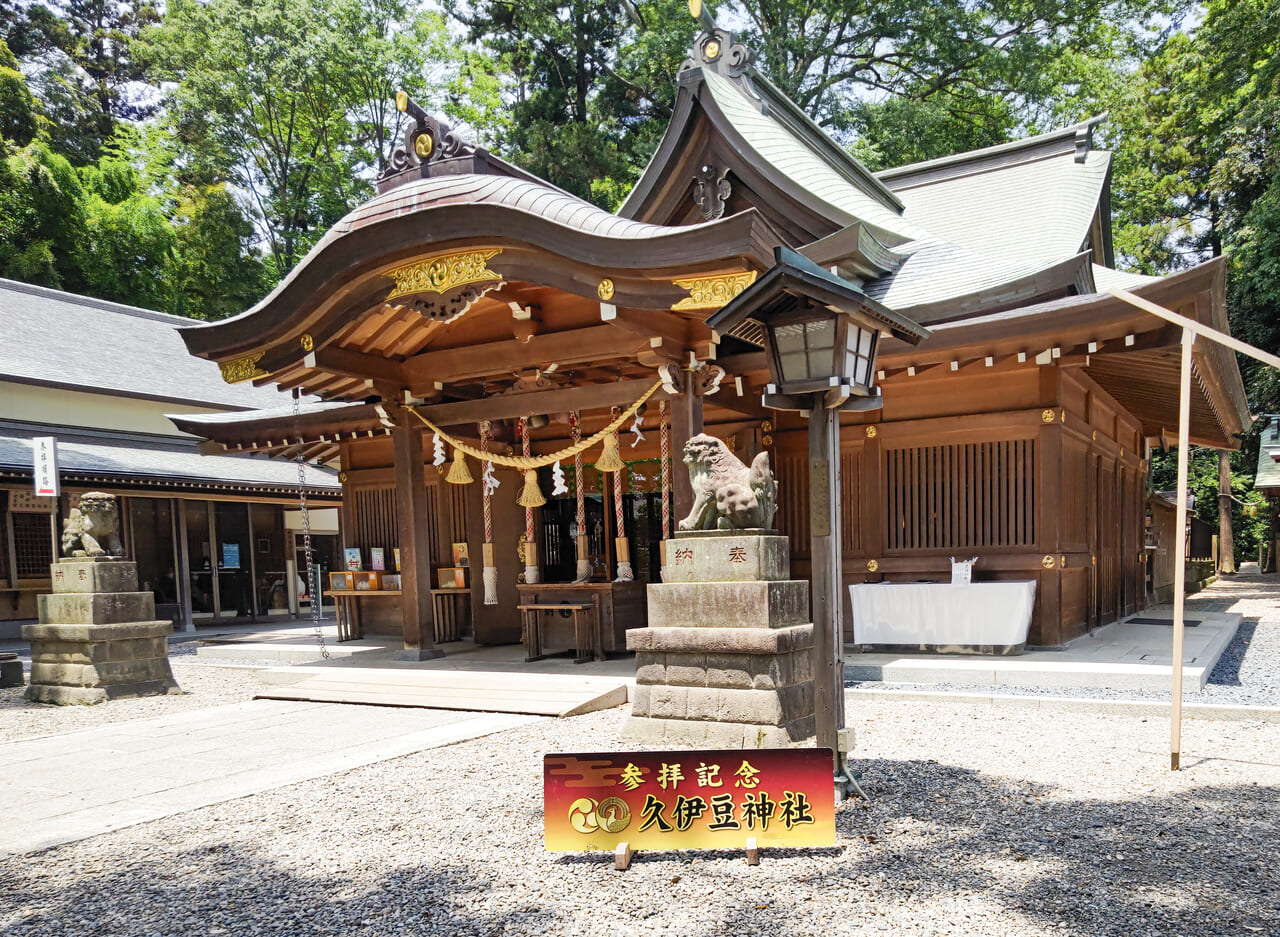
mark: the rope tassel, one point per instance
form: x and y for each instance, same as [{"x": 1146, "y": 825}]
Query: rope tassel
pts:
[
  {"x": 531, "y": 495},
  {"x": 458, "y": 473},
  {"x": 610, "y": 459}
]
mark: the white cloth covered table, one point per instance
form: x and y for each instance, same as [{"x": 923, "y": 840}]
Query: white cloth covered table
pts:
[{"x": 940, "y": 615}]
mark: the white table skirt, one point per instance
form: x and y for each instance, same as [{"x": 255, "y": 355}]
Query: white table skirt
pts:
[{"x": 996, "y": 614}]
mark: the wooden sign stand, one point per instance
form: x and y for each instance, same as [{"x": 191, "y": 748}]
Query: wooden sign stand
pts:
[{"x": 623, "y": 854}]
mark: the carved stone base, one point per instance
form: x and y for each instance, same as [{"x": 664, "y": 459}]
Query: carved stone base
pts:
[
  {"x": 725, "y": 662},
  {"x": 74, "y": 664},
  {"x": 98, "y": 637}
]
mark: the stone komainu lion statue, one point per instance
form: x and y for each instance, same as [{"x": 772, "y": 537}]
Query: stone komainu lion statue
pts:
[
  {"x": 727, "y": 495},
  {"x": 93, "y": 529}
]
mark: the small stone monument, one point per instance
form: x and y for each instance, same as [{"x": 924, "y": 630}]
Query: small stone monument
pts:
[
  {"x": 98, "y": 636},
  {"x": 726, "y": 661}
]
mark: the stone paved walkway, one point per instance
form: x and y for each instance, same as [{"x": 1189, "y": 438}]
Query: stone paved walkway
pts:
[{"x": 62, "y": 788}]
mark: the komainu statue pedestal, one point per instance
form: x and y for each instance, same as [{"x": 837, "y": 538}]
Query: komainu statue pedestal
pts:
[
  {"x": 726, "y": 661},
  {"x": 98, "y": 636}
]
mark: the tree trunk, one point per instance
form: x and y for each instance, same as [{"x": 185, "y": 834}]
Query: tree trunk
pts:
[{"x": 1226, "y": 543}]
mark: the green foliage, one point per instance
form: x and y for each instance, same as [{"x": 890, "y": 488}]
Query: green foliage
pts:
[
  {"x": 42, "y": 217},
  {"x": 1248, "y": 514},
  {"x": 592, "y": 89},
  {"x": 87, "y": 76},
  {"x": 21, "y": 118}
]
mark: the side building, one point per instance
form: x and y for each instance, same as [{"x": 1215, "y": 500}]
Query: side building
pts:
[{"x": 213, "y": 536}]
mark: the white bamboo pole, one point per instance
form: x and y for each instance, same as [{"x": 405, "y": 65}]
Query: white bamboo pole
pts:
[{"x": 1180, "y": 553}]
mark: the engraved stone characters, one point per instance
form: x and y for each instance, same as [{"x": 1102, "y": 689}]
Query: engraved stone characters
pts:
[
  {"x": 93, "y": 529},
  {"x": 727, "y": 495}
]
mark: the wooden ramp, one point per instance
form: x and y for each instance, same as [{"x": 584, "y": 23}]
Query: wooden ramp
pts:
[{"x": 430, "y": 688}]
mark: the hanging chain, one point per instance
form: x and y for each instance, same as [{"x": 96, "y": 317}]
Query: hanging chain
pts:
[{"x": 313, "y": 579}]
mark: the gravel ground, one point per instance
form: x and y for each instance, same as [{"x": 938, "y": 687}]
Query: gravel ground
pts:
[
  {"x": 203, "y": 685},
  {"x": 981, "y": 823},
  {"x": 1247, "y": 674}
]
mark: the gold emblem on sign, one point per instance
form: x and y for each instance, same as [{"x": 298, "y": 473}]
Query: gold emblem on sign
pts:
[
  {"x": 713, "y": 292},
  {"x": 1047, "y": 562},
  {"x": 613, "y": 814},
  {"x": 308, "y": 343},
  {"x": 242, "y": 369},
  {"x": 872, "y": 566},
  {"x": 442, "y": 273},
  {"x": 871, "y": 432},
  {"x": 605, "y": 289},
  {"x": 1047, "y": 416},
  {"x": 423, "y": 145}
]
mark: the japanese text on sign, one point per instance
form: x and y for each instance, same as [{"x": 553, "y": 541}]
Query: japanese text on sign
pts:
[
  {"x": 680, "y": 800},
  {"x": 45, "y": 452}
]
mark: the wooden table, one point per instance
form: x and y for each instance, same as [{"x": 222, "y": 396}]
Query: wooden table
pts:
[
  {"x": 617, "y": 606},
  {"x": 347, "y": 610}
]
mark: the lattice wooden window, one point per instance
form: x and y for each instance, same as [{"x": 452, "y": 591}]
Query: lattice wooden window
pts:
[
  {"x": 32, "y": 545},
  {"x": 961, "y": 496}
]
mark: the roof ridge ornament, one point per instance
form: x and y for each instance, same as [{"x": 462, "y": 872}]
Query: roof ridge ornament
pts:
[
  {"x": 426, "y": 139},
  {"x": 715, "y": 50}
]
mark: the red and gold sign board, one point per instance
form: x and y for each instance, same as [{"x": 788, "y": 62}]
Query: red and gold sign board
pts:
[{"x": 688, "y": 799}]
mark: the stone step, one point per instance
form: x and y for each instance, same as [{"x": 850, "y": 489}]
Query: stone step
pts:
[
  {"x": 776, "y": 604},
  {"x": 727, "y": 557},
  {"x": 721, "y": 640},
  {"x": 96, "y": 608},
  {"x": 485, "y": 691},
  {"x": 103, "y": 574}
]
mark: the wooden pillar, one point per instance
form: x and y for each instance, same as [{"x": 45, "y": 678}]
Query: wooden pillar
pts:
[
  {"x": 1180, "y": 554},
  {"x": 411, "y": 522},
  {"x": 686, "y": 422},
  {"x": 824, "y": 551}
]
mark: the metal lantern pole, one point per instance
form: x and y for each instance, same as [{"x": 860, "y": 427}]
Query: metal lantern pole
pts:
[{"x": 824, "y": 551}]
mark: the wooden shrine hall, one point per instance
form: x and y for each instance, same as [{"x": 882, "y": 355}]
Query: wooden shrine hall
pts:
[{"x": 473, "y": 325}]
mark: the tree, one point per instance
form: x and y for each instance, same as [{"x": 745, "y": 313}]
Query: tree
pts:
[
  {"x": 290, "y": 102},
  {"x": 593, "y": 89},
  {"x": 85, "y": 72}
]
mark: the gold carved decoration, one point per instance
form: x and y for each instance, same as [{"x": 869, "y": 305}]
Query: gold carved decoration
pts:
[
  {"x": 713, "y": 292},
  {"x": 342, "y": 478},
  {"x": 423, "y": 146},
  {"x": 1047, "y": 562},
  {"x": 872, "y": 566},
  {"x": 1062, "y": 561},
  {"x": 308, "y": 343},
  {"x": 605, "y": 289},
  {"x": 1047, "y": 416},
  {"x": 242, "y": 369},
  {"x": 442, "y": 273},
  {"x": 871, "y": 432}
]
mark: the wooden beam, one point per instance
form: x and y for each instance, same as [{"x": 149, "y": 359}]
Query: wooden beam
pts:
[
  {"x": 564, "y": 348},
  {"x": 356, "y": 364},
  {"x": 1196, "y": 328},
  {"x": 561, "y": 400},
  {"x": 670, "y": 328}
]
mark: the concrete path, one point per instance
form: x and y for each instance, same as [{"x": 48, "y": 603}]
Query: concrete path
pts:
[{"x": 63, "y": 788}]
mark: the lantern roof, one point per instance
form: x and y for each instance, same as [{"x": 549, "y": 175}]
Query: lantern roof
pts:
[{"x": 795, "y": 277}]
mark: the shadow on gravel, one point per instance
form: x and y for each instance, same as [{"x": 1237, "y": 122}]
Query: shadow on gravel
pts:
[
  {"x": 1227, "y": 671},
  {"x": 1195, "y": 863}
]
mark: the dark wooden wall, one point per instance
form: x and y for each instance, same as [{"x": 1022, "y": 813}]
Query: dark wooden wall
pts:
[{"x": 1039, "y": 473}]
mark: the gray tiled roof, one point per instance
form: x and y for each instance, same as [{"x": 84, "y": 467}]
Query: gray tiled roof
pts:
[
  {"x": 936, "y": 271},
  {"x": 65, "y": 340},
  {"x": 1038, "y": 209},
  {"x": 135, "y": 461},
  {"x": 776, "y": 145}
]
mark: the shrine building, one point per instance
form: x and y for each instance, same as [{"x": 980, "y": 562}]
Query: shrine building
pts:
[{"x": 475, "y": 306}]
